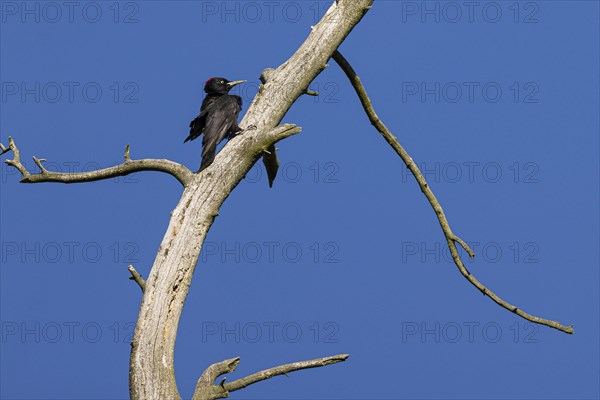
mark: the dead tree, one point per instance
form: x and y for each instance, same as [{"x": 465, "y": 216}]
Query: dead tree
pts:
[{"x": 151, "y": 371}]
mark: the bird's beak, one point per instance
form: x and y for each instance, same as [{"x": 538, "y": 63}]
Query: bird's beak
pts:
[{"x": 234, "y": 83}]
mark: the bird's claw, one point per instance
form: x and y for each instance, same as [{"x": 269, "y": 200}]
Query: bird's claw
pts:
[{"x": 251, "y": 128}]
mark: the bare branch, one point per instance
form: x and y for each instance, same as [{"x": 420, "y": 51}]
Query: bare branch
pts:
[
  {"x": 283, "y": 370},
  {"x": 39, "y": 162},
  {"x": 180, "y": 172},
  {"x": 451, "y": 238},
  {"x": 16, "y": 161},
  {"x": 207, "y": 390},
  {"x": 127, "y": 153},
  {"x": 135, "y": 276},
  {"x": 3, "y": 149}
]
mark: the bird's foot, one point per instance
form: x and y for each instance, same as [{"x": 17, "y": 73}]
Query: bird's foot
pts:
[
  {"x": 241, "y": 131},
  {"x": 235, "y": 134}
]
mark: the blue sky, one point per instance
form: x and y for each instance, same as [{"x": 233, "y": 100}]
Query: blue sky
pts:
[{"x": 497, "y": 102}]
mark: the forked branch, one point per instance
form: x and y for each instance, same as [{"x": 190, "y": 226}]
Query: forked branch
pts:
[
  {"x": 129, "y": 166},
  {"x": 451, "y": 238},
  {"x": 207, "y": 390}
]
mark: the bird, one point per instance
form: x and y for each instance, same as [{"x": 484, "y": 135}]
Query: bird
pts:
[{"x": 218, "y": 118}]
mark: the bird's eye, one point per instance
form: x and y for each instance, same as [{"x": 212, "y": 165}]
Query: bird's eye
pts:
[{"x": 222, "y": 82}]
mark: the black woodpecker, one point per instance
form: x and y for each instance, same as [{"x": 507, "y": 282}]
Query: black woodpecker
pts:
[{"x": 218, "y": 117}]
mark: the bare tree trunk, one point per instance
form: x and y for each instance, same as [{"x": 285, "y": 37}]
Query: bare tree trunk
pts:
[
  {"x": 152, "y": 373},
  {"x": 151, "y": 370}
]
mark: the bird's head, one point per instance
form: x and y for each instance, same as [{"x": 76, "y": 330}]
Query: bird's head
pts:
[{"x": 219, "y": 85}]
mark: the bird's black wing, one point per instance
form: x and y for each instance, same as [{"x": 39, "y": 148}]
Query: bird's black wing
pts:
[
  {"x": 235, "y": 127},
  {"x": 221, "y": 121},
  {"x": 197, "y": 124}
]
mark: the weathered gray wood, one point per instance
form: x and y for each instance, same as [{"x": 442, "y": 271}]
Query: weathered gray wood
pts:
[
  {"x": 152, "y": 374},
  {"x": 206, "y": 389},
  {"x": 130, "y": 166}
]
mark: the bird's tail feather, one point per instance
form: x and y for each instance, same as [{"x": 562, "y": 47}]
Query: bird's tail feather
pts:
[{"x": 208, "y": 156}]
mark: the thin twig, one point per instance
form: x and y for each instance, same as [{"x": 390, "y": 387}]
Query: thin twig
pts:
[
  {"x": 180, "y": 172},
  {"x": 451, "y": 238},
  {"x": 3, "y": 149},
  {"x": 207, "y": 390},
  {"x": 16, "y": 161},
  {"x": 135, "y": 276}
]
